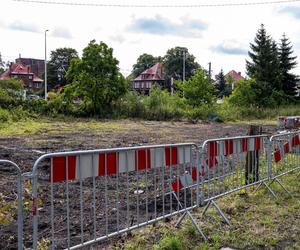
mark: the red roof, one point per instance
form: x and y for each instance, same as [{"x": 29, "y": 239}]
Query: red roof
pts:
[
  {"x": 236, "y": 75},
  {"x": 152, "y": 74},
  {"x": 19, "y": 69}
]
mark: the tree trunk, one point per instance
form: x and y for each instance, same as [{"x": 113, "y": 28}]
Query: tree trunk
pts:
[{"x": 252, "y": 158}]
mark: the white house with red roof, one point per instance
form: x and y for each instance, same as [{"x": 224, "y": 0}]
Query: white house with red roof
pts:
[
  {"x": 235, "y": 76},
  {"x": 148, "y": 78},
  {"x": 21, "y": 72}
]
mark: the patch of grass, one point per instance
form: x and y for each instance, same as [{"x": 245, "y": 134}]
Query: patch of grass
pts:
[
  {"x": 257, "y": 221},
  {"x": 47, "y": 126}
]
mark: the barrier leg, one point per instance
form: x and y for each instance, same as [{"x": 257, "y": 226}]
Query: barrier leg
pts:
[
  {"x": 283, "y": 187},
  {"x": 270, "y": 190},
  {"x": 263, "y": 183},
  {"x": 220, "y": 212},
  {"x": 190, "y": 216},
  {"x": 212, "y": 202}
]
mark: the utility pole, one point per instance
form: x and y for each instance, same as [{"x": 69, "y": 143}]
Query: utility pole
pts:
[
  {"x": 209, "y": 71},
  {"x": 183, "y": 66},
  {"x": 45, "y": 81}
]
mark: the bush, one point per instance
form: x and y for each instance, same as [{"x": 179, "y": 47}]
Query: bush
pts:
[{"x": 4, "y": 115}]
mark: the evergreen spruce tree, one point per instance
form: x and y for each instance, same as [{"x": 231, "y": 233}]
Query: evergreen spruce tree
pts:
[
  {"x": 221, "y": 84},
  {"x": 264, "y": 63},
  {"x": 287, "y": 63}
]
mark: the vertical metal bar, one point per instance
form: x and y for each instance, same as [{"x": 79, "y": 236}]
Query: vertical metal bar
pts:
[
  {"x": 52, "y": 205},
  {"x": 94, "y": 198},
  {"x": 35, "y": 212},
  {"x": 137, "y": 190},
  {"x": 118, "y": 198},
  {"x": 170, "y": 176},
  {"x": 146, "y": 191},
  {"x": 20, "y": 210},
  {"x": 68, "y": 201},
  {"x": 81, "y": 201},
  {"x": 106, "y": 216},
  {"x": 155, "y": 187},
  {"x": 127, "y": 189}
]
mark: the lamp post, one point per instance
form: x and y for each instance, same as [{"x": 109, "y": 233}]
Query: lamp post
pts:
[{"x": 46, "y": 64}]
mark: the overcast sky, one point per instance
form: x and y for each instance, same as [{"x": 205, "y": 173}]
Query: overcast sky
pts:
[{"x": 220, "y": 35}]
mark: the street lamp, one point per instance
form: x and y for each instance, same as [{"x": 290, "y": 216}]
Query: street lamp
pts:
[{"x": 46, "y": 64}]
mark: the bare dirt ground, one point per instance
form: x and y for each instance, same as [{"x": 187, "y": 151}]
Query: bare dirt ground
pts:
[{"x": 24, "y": 148}]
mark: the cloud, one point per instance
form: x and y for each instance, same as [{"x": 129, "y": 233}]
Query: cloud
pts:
[
  {"x": 117, "y": 38},
  {"x": 162, "y": 26},
  {"x": 23, "y": 26},
  {"x": 230, "y": 47},
  {"x": 61, "y": 32},
  {"x": 294, "y": 11}
]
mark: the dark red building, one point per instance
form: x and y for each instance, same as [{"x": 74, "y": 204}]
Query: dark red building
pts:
[
  {"x": 148, "y": 78},
  {"x": 22, "y": 72}
]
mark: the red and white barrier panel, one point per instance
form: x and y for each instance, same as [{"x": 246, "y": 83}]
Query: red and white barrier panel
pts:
[
  {"x": 286, "y": 148},
  {"x": 186, "y": 180},
  {"x": 110, "y": 163},
  {"x": 218, "y": 149}
]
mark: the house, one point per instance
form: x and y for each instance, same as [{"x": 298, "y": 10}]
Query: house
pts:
[
  {"x": 37, "y": 66},
  {"x": 232, "y": 77},
  {"x": 148, "y": 78},
  {"x": 22, "y": 72}
]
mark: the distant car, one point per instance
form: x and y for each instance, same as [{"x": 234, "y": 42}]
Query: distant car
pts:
[{"x": 33, "y": 97}]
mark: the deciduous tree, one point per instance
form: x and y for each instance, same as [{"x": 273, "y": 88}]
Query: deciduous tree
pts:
[{"x": 96, "y": 78}]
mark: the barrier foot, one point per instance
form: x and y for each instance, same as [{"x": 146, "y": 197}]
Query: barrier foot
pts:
[
  {"x": 259, "y": 186},
  {"x": 270, "y": 190},
  {"x": 220, "y": 212},
  {"x": 196, "y": 226},
  {"x": 206, "y": 207},
  {"x": 190, "y": 216},
  {"x": 180, "y": 219},
  {"x": 283, "y": 187}
]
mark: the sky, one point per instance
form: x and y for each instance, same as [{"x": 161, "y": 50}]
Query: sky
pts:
[{"x": 220, "y": 35}]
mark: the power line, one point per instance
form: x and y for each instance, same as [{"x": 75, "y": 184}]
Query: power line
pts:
[{"x": 158, "y": 5}]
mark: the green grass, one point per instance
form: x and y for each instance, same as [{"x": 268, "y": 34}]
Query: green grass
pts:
[
  {"x": 257, "y": 221},
  {"x": 56, "y": 126}
]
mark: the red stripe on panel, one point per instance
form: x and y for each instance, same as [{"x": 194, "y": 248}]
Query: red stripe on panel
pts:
[
  {"x": 171, "y": 159},
  {"x": 111, "y": 163},
  {"x": 142, "y": 159},
  {"x": 59, "y": 168},
  {"x": 295, "y": 141},
  {"x": 257, "y": 145},
  {"x": 277, "y": 156},
  {"x": 177, "y": 186},
  {"x": 244, "y": 142},
  {"x": 211, "y": 162},
  {"x": 194, "y": 173},
  {"x": 286, "y": 148},
  {"x": 212, "y": 149},
  {"x": 228, "y": 147}
]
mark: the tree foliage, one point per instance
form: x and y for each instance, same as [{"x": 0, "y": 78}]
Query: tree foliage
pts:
[
  {"x": 96, "y": 79},
  {"x": 198, "y": 89},
  {"x": 58, "y": 65},
  {"x": 287, "y": 63},
  {"x": 11, "y": 92},
  {"x": 144, "y": 62},
  {"x": 2, "y": 65},
  {"x": 173, "y": 63},
  {"x": 222, "y": 89},
  {"x": 264, "y": 63}
]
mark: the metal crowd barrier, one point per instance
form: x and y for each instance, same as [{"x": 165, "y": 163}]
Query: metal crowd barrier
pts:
[
  {"x": 285, "y": 156},
  {"x": 228, "y": 165},
  {"x": 96, "y": 194},
  {"x": 11, "y": 198},
  {"x": 85, "y": 197}
]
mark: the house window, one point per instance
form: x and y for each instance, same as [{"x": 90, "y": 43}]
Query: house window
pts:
[
  {"x": 15, "y": 76},
  {"x": 37, "y": 85},
  {"x": 30, "y": 77},
  {"x": 136, "y": 85},
  {"x": 30, "y": 85}
]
